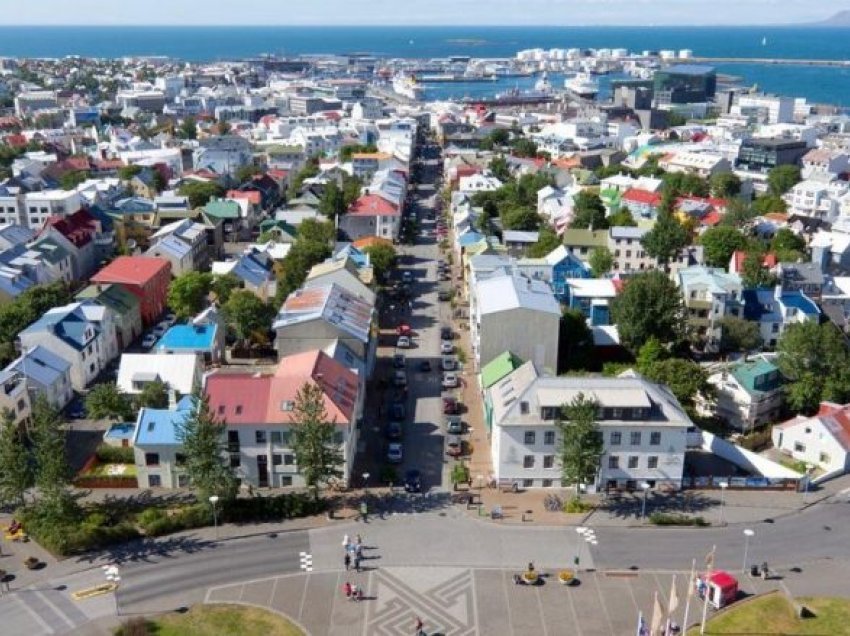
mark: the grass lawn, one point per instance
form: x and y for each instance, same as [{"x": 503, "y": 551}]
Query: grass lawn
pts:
[
  {"x": 774, "y": 614},
  {"x": 222, "y": 620},
  {"x": 112, "y": 470}
]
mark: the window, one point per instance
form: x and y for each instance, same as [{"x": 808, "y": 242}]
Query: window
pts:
[
  {"x": 548, "y": 461},
  {"x": 613, "y": 462},
  {"x": 238, "y": 409},
  {"x": 154, "y": 481},
  {"x": 616, "y": 413},
  {"x": 530, "y": 437},
  {"x": 233, "y": 441},
  {"x": 652, "y": 461},
  {"x": 549, "y": 438},
  {"x": 182, "y": 481},
  {"x": 260, "y": 437},
  {"x": 151, "y": 459},
  {"x": 548, "y": 413},
  {"x": 235, "y": 460},
  {"x": 288, "y": 459},
  {"x": 179, "y": 459},
  {"x": 547, "y": 483},
  {"x": 616, "y": 438},
  {"x": 523, "y": 408},
  {"x": 277, "y": 459},
  {"x": 221, "y": 409},
  {"x": 633, "y": 461},
  {"x": 285, "y": 480},
  {"x": 527, "y": 483},
  {"x": 528, "y": 461},
  {"x": 655, "y": 438},
  {"x": 277, "y": 437},
  {"x": 823, "y": 458},
  {"x": 799, "y": 447},
  {"x": 635, "y": 438}
]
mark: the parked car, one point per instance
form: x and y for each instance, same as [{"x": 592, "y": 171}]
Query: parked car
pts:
[
  {"x": 403, "y": 342},
  {"x": 454, "y": 425},
  {"x": 444, "y": 295},
  {"x": 403, "y": 330},
  {"x": 450, "y": 381},
  {"x": 454, "y": 447},
  {"x": 159, "y": 330},
  {"x": 425, "y": 366},
  {"x": 149, "y": 340},
  {"x": 412, "y": 481},
  {"x": 393, "y": 430},
  {"x": 398, "y": 361},
  {"x": 169, "y": 319},
  {"x": 400, "y": 378},
  {"x": 446, "y": 347},
  {"x": 450, "y": 405},
  {"x": 407, "y": 276},
  {"x": 394, "y": 453},
  {"x": 76, "y": 410},
  {"x": 398, "y": 411},
  {"x": 446, "y": 333},
  {"x": 448, "y": 363}
]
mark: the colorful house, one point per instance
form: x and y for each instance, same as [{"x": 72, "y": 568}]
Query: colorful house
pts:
[{"x": 145, "y": 277}]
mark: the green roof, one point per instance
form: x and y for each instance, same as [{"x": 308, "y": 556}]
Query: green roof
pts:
[
  {"x": 222, "y": 209},
  {"x": 757, "y": 375},
  {"x": 498, "y": 368},
  {"x": 113, "y": 296},
  {"x": 585, "y": 238}
]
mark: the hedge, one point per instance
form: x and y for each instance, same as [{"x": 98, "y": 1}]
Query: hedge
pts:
[
  {"x": 107, "y": 454},
  {"x": 675, "y": 519}
]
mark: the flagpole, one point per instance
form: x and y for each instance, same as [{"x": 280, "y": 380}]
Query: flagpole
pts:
[
  {"x": 707, "y": 592},
  {"x": 691, "y": 584},
  {"x": 673, "y": 603},
  {"x": 640, "y": 631}
]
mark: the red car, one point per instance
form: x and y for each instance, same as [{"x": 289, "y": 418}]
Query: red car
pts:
[
  {"x": 403, "y": 330},
  {"x": 450, "y": 406}
]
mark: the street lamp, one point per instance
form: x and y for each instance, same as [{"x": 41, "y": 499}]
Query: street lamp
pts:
[
  {"x": 214, "y": 501},
  {"x": 365, "y": 482},
  {"x": 645, "y": 486},
  {"x": 747, "y": 534},
  {"x": 723, "y": 486}
]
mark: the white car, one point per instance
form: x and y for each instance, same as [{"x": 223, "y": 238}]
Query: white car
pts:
[
  {"x": 394, "y": 453},
  {"x": 448, "y": 363},
  {"x": 149, "y": 340},
  {"x": 159, "y": 330},
  {"x": 403, "y": 342},
  {"x": 450, "y": 381},
  {"x": 169, "y": 320},
  {"x": 400, "y": 378},
  {"x": 446, "y": 347}
]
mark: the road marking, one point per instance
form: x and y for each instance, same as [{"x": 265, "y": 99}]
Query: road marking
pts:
[
  {"x": 602, "y": 603},
  {"x": 306, "y": 562}
]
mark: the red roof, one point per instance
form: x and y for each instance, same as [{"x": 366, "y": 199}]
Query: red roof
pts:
[
  {"x": 251, "y": 195},
  {"x": 239, "y": 398},
  {"x": 17, "y": 141},
  {"x": 711, "y": 219},
  {"x": 133, "y": 270},
  {"x": 330, "y": 115},
  {"x": 79, "y": 228},
  {"x": 372, "y": 205},
  {"x": 76, "y": 163},
  {"x": 646, "y": 197},
  {"x": 467, "y": 171},
  {"x": 723, "y": 580},
  {"x": 277, "y": 174},
  {"x": 738, "y": 256}
]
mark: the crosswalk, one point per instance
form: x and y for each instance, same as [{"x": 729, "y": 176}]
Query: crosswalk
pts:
[{"x": 306, "y": 562}]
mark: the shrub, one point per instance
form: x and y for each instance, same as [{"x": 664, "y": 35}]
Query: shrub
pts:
[
  {"x": 676, "y": 519},
  {"x": 135, "y": 627},
  {"x": 576, "y": 505},
  {"x": 107, "y": 454},
  {"x": 756, "y": 441}
]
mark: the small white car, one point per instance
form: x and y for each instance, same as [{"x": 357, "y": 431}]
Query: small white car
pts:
[
  {"x": 448, "y": 363},
  {"x": 395, "y": 453},
  {"x": 446, "y": 347},
  {"x": 450, "y": 381},
  {"x": 160, "y": 329},
  {"x": 169, "y": 320},
  {"x": 149, "y": 340},
  {"x": 403, "y": 342}
]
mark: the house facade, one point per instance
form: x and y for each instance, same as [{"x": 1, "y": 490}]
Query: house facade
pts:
[
  {"x": 822, "y": 440},
  {"x": 710, "y": 294},
  {"x": 749, "y": 393},
  {"x": 145, "y": 277}
]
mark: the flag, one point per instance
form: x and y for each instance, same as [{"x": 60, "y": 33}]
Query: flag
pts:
[
  {"x": 692, "y": 579},
  {"x": 674, "y": 598},
  {"x": 642, "y": 629},
  {"x": 657, "y": 616}
]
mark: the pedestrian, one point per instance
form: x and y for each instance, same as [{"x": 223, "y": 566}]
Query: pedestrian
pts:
[
  {"x": 345, "y": 542},
  {"x": 357, "y": 562},
  {"x": 359, "y": 550},
  {"x": 359, "y": 540},
  {"x": 347, "y": 589},
  {"x": 418, "y": 627},
  {"x": 354, "y": 592},
  {"x": 347, "y": 561},
  {"x": 359, "y": 594},
  {"x": 364, "y": 512}
]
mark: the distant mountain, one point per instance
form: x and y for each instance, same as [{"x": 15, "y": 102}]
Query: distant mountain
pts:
[{"x": 842, "y": 18}]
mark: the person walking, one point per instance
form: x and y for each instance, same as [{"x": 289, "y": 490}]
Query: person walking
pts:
[
  {"x": 364, "y": 512},
  {"x": 357, "y": 562},
  {"x": 354, "y": 593},
  {"x": 347, "y": 561},
  {"x": 419, "y": 627},
  {"x": 358, "y": 550},
  {"x": 347, "y": 590}
]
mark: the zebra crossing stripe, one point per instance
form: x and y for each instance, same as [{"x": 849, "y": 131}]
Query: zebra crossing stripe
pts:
[{"x": 306, "y": 562}]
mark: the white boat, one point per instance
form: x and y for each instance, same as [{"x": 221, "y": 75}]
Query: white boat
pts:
[
  {"x": 542, "y": 85},
  {"x": 583, "y": 85},
  {"x": 407, "y": 86},
  {"x": 764, "y": 41}
]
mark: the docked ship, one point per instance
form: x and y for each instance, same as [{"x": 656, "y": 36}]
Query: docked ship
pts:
[
  {"x": 407, "y": 86},
  {"x": 582, "y": 85}
]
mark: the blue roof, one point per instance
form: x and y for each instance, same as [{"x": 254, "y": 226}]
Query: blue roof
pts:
[
  {"x": 188, "y": 337},
  {"x": 798, "y": 300},
  {"x": 251, "y": 270},
  {"x": 759, "y": 303},
  {"x": 161, "y": 426},
  {"x": 41, "y": 366},
  {"x": 469, "y": 238},
  {"x": 67, "y": 323}
]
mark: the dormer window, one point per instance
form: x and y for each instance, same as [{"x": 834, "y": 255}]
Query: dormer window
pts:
[
  {"x": 523, "y": 408},
  {"x": 287, "y": 406}
]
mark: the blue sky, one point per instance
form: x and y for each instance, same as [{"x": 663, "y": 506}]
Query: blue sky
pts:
[{"x": 419, "y": 12}]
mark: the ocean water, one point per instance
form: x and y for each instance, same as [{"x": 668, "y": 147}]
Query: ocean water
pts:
[{"x": 818, "y": 84}]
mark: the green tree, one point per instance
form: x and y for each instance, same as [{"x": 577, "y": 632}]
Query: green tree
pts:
[
  {"x": 601, "y": 261},
  {"x": 316, "y": 231},
  {"x": 52, "y": 473},
  {"x": 247, "y": 172},
  {"x": 499, "y": 167},
  {"x": 686, "y": 379},
  {"x": 310, "y": 170},
  {"x": 317, "y": 450},
  {"x": 351, "y": 188},
  {"x": 547, "y": 240},
  {"x": 780, "y": 179},
  {"x": 725, "y": 185},
  {"x": 588, "y": 211},
  {"x": 70, "y": 180},
  {"x": 303, "y": 255},
  {"x": 188, "y": 129},
  {"x": 247, "y": 315},
  {"x": 125, "y": 173},
  {"x": 622, "y": 218},
  {"x": 768, "y": 203},
  {"x": 581, "y": 442},
  {"x": 154, "y": 395},
  {"x": 520, "y": 218},
  {"x": 332, "y": 203},
  {"x": 739, "y": 335},
  {"x": 650, "y": 353},
  {"x": 720, "y": 243},
  {"x": 346, "y": 151},
  {"x": 649, "y": 305},
  {"x": 666, "y": 238},
  {"x": 753, "y": 272},
  {"x": 202, "y": 436},
  {"x": 683, "y": 183},
  {"x": 199, "y": 193},
  {"x": 159, "y": 181},
  {"x": 738, "y": 213},
  {"x": 787, "y": 243},
  {"x": 16, "y": 475},
  {"x": 107, "y": 401},
  {"x": 575, "y": 342},
  {"x": 222, "y": 286},
  {"x": 382, "y": 257},
  {"x": 187, "y": 294},
  {"x": 500, "y": 136},
  {"x": 522, "y": 147},
  {"x": 814, "y": 360}
]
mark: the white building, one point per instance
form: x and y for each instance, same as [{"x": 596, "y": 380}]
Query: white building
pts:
[
  {"x": 643, "y": 428},
  {"x": 37, "y": 206},
  {"x": 182, "y": 372},
  {"x": 749, "y": 393},
  {"x": 822, "y": 440}
]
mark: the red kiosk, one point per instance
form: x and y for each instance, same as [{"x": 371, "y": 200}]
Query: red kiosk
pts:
[{"x": 721, "y": 587}]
